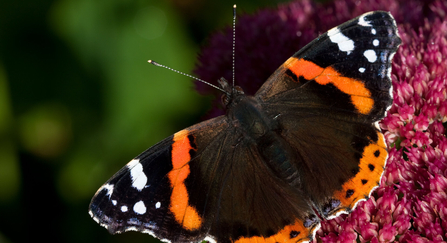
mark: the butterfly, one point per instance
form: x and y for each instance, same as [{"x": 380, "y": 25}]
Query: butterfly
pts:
[{"x": 307, "y": 146}]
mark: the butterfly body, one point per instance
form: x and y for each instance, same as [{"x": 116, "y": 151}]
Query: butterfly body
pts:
[{"x": 306, "y": 146}]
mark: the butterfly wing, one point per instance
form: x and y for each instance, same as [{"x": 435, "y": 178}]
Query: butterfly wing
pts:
[
  {"x": 328, "y": 99},
  {"x": 149, "y": 194}
]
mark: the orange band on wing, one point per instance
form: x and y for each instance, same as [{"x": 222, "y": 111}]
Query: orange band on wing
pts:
[
  {"x": 360, "y": 95},
  {"x": 371, "y": 169},
  {"x": 303, "y": 68},
  {"x": 289, "y": 234},
  {"x": 184, "y": 214}
]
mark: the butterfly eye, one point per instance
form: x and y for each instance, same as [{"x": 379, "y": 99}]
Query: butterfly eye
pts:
[
  {"x": 224, "y": 99},
  {"x": 239, "y": 89}
]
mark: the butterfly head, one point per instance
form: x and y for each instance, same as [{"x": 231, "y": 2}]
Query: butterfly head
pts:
[{"x": 230, "y": 92}]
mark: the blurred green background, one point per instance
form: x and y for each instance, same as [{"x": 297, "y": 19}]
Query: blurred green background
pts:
[{"x": 78, "y": 100}]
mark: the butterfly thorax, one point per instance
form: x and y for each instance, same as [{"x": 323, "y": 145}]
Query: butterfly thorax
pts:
[
  {"x": 246, "y": 114},
  {"x": 254, "y": 126}
]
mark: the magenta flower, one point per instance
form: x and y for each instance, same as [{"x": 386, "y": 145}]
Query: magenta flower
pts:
[{"x": 411, "y": 203}]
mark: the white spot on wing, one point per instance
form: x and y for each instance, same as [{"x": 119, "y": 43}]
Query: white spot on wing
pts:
[
  {"x": 139, "y": 179},
  {"x": 373, "y": 31},
  {"x": 391, "y": 56},
  {"x": 157, "y": 205},
  {"x": 109, "y": 189},
  {"x": 364, "y": 22},
  {"x": 209, "y": 239},
  {"x": 123, "y": 209},
  {"x": 362, "y": 69},
  {"x": 370, "y": 55},
  {"x": 388, "y": 74},
  {"x": 344, "y": 43},
  {"x": 114, "y": 202},
  {"x": 93, "y": 217},
  {"x": 375, "y": 42},
  {"x": 376, "y": 125},
  {"x": 139, "y": 207},
  {"x": 388, "y": 71}
]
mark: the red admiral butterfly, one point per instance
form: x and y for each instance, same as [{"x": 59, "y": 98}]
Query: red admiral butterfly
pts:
[{"x": 306, "y": 146}]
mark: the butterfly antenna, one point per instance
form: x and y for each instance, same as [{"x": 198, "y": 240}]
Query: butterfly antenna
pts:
[
  {"x": 187, "y": 75},
  {"x": 234, "y": 43}
]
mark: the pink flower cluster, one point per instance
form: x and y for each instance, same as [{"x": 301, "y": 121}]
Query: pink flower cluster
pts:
[
  {"x": 411, "y": 203},
  {"x": 415, "y": 130}
]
